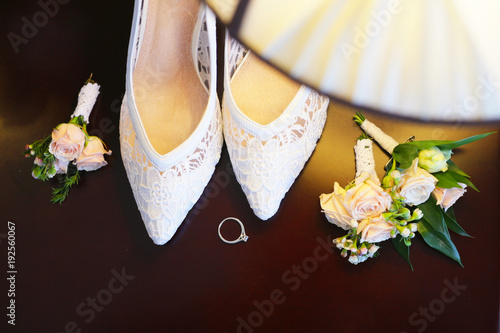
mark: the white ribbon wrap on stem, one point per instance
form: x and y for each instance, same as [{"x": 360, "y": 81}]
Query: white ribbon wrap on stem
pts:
[
  {"x": 86, "y": 100},
  {"x": 384, "y": 140},
  {"x": 364, "y": 157}
]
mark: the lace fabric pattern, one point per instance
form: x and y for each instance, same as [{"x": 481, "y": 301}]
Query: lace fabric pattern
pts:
[
  {"x": 237, "y": 54},
  {"x": 267, "y": 169},
  {"x": 202, "y": 55},
  {"x": 164, "y": 198},
  {"x": 164, "y": 195}
]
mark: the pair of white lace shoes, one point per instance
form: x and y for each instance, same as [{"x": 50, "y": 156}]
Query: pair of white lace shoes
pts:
[{"x": 171, "y": 127}]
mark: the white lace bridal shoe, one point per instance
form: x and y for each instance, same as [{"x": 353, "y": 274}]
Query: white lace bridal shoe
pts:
[
  {"x": 271, "y": 126},
  {"x": 170, "y": 122}
]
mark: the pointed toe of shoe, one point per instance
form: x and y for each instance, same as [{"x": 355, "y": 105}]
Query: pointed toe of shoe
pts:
[
  {"x": 268, "y": 148},
  {"x": 264, "y": 205},
  {"x": 165, "y": 196},
  {"x": 161, "y": 230},
  {"x": 266, "y": 169},
  {"x": 163, "y": 208}
]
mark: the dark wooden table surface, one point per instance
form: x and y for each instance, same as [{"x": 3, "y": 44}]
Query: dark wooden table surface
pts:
[{"x": 89, "y": 266}]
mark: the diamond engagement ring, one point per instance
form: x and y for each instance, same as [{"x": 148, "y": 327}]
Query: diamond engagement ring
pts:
[{"x": 243, "y": 237}]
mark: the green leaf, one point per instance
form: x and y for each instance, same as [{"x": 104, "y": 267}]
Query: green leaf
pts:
[
  {"x": 462, "y": 179},
  {"x": 402, "y": 249},
  {"x": 363, "y": 136},
  {"x": 66, "y": 182},
  {"x": 438, "y": 241},
  {"x": 446, "y": 180},
  {"x": 41, "y": 146},
  {"x": 452, "y": 177},
  {"x": 451, "y": 222},
  {"x": 424, "y": 144},
  {"x": 455, "y": 144},
  {"x": 434, "y": 215},
  {"x": 446, "y": 144},
  {"x": 404, "y": 154},
  {"x": 453, "y": 167}
]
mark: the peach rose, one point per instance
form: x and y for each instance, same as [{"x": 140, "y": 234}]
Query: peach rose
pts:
[
  {"x": 375, "y": 229},
  {"x": 416, "y": 184},
  {"x": 446, "y": 197},
  {"x": 68, "y": 141},
  {"x": 367, "y": 199},
  {"x": 92, "y": 157},
  {"x": 335, "y": 210}
]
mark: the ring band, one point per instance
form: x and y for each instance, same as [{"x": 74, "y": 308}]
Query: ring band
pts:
[{"x": 243, "y": 237}]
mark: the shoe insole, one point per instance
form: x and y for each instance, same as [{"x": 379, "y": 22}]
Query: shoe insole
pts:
[
  {"x": 262, "y": 92},
  {"x": 169, "y": 95}
]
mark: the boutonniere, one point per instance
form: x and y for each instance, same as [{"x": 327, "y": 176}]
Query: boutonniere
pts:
[
  {"x": 416, "y": 195},
  {"x": 69, "y": 149}
]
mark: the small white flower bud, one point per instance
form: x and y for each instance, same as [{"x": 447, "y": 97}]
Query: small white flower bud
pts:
[
  {"x": 395, "y": 174},
  {"x": 38, "y": 161},
  {"x": 372, "y": 250},
  {"x": 417, "y": 214},
  {"x": 362, "y": 258}
]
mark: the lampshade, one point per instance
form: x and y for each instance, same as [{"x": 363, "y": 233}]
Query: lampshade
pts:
[{"x": 425, "y": 59}]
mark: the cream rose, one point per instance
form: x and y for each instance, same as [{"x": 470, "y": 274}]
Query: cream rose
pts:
[
  {"x": 68, "y": 141},
  {"x": 446, "y": 197},
  {"x": 416, "y": 184},
  {"x": 367, "y": 199},
  {"x": 335, "y": 210},
  {"x": 92, "y": 157},
  {"x": 375, "y": 229}
]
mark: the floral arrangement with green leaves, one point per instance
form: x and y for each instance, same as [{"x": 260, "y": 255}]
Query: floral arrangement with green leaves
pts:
[
  {"x": 417, "y": 193},
  {"x": 69, "y": 149}
]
